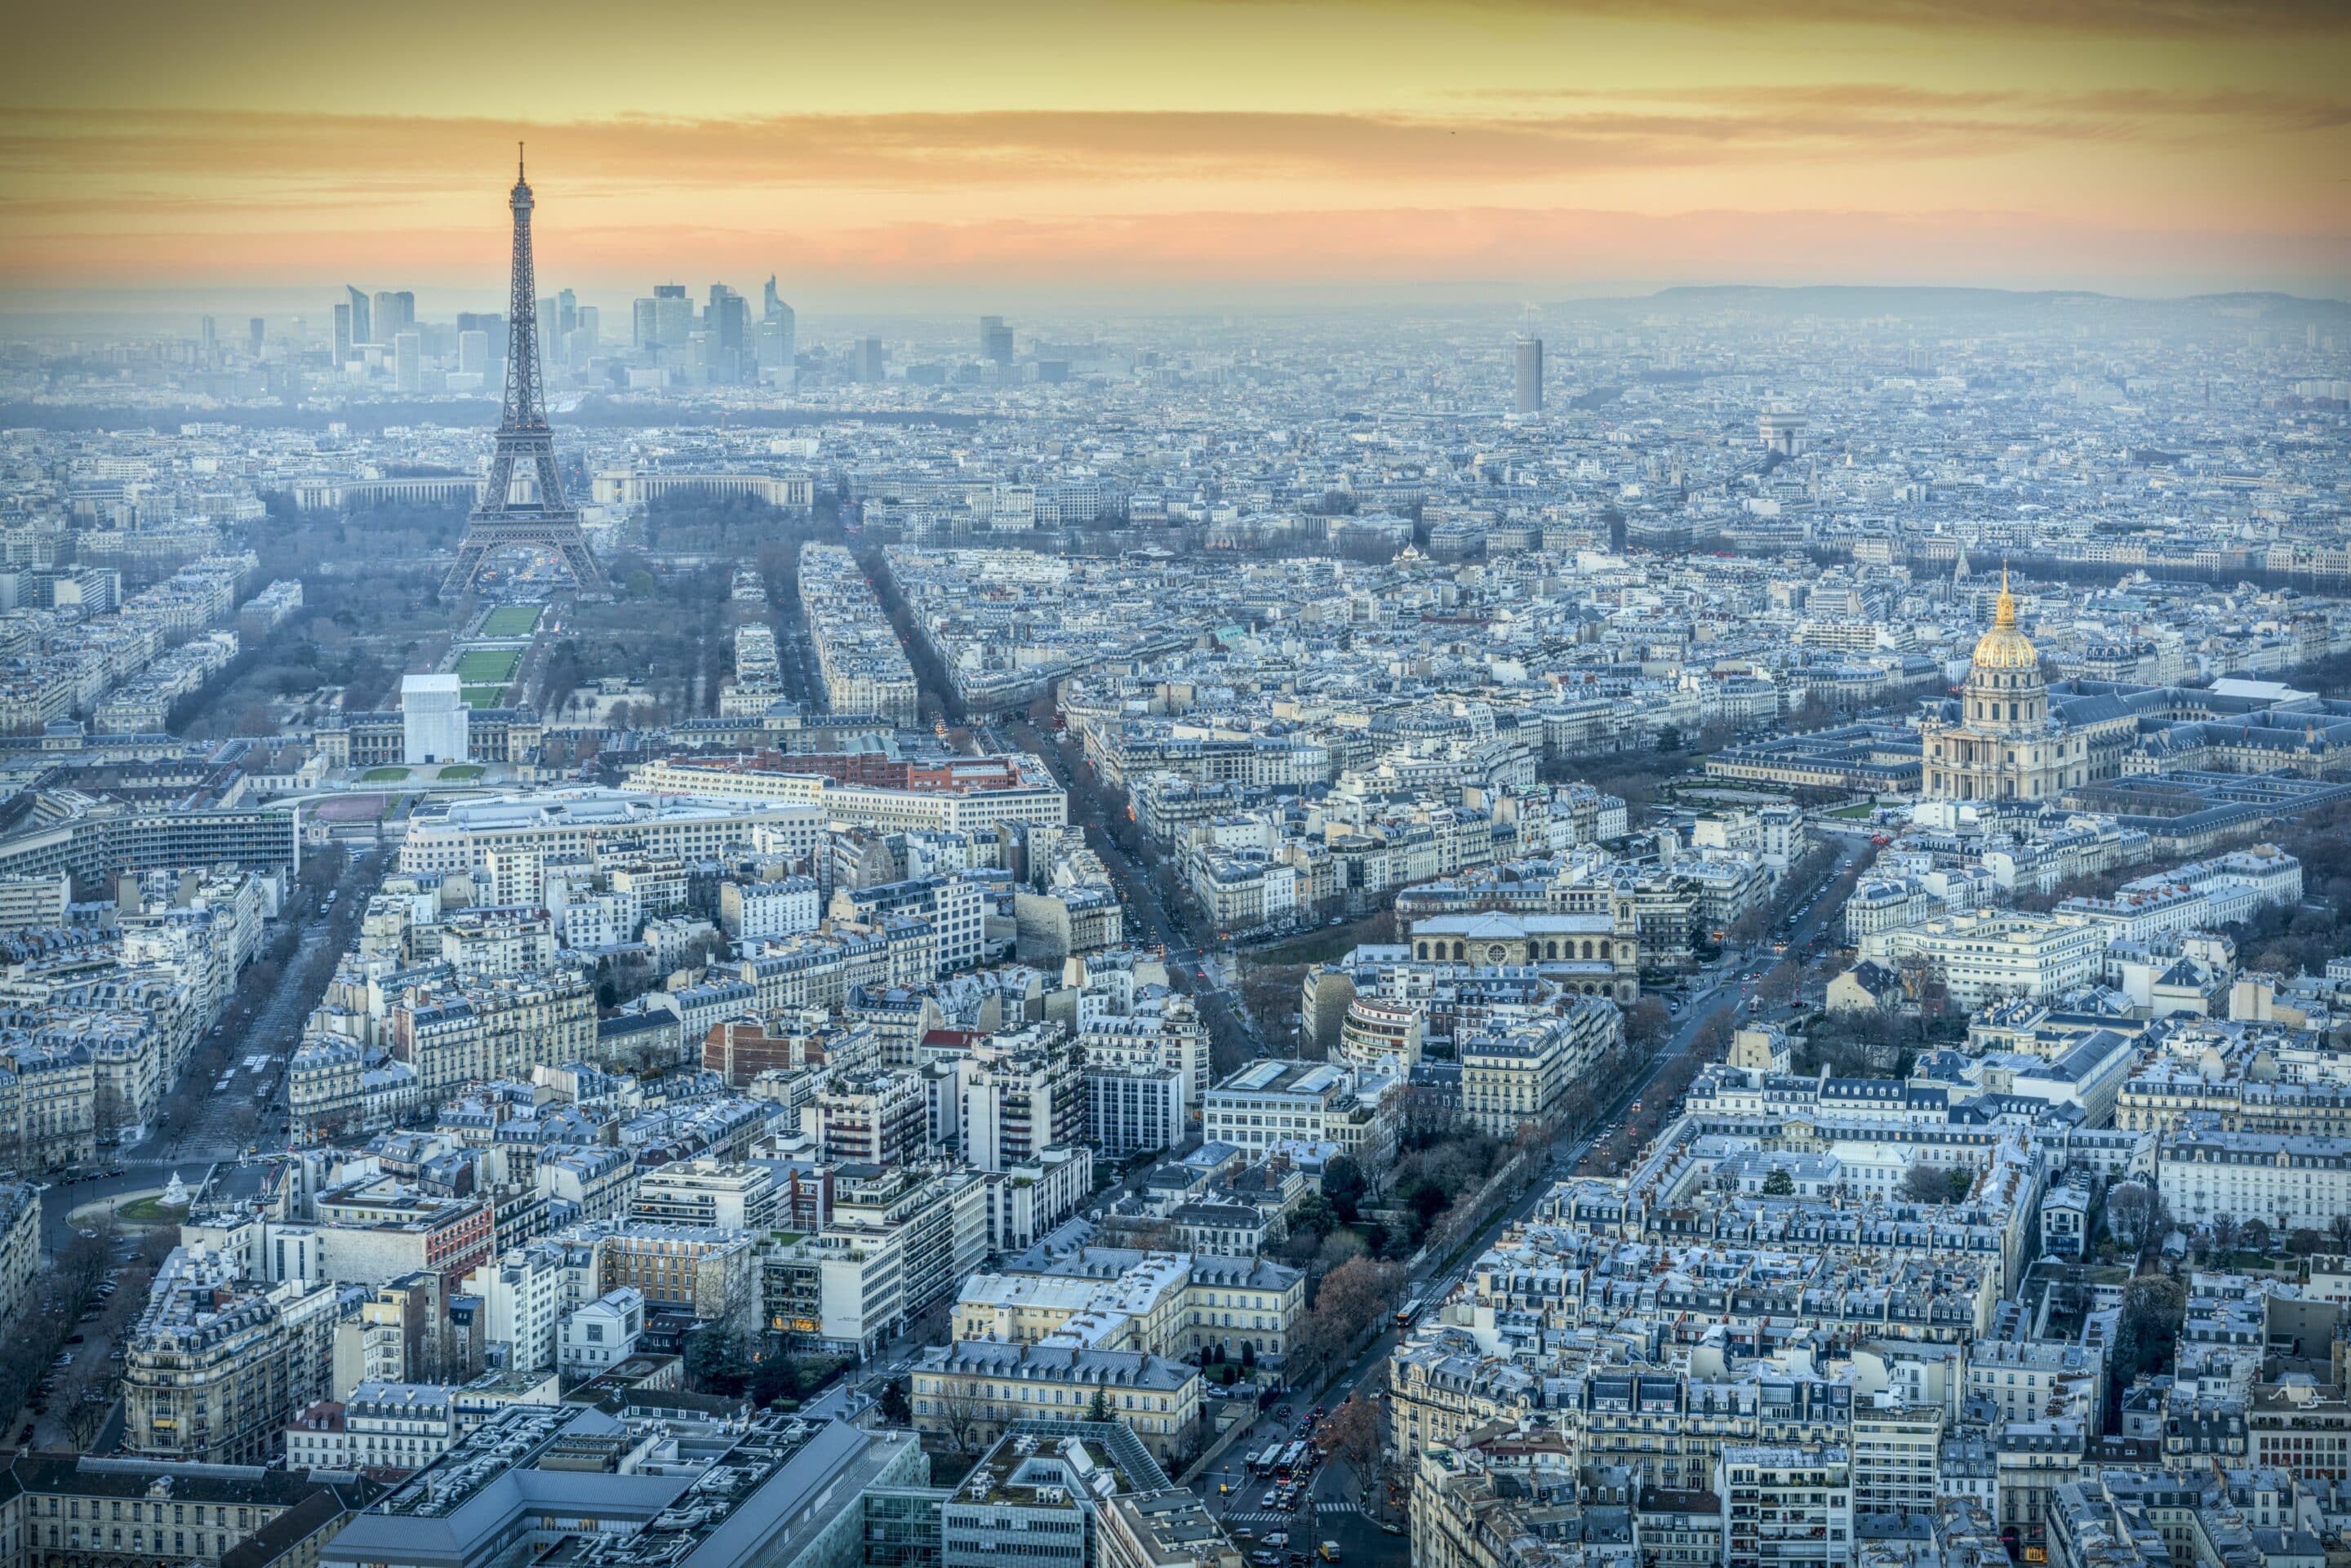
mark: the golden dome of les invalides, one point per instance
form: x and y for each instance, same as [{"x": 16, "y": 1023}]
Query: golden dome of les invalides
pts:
[{"x": 2004, "y": 647}]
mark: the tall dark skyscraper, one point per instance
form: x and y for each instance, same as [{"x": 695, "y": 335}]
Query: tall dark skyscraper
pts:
[
  {"x": 996, "y": 340},
  {"x": 1529, "y": 387},
  {"x": 546, "y": 521},
  {"x": 362, "y": 316}
]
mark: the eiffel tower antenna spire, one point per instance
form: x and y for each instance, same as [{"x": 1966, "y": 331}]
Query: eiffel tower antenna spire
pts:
[{"x": 546, "y": 523}]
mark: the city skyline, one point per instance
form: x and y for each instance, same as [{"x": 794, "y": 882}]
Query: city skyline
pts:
[{"x": 1182, "y": 150}]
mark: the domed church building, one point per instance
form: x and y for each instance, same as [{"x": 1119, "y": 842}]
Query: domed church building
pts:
[{"x": 2005, "y": 746}]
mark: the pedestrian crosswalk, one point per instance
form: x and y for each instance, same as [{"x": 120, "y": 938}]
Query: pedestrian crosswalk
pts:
[{"x": 1275, "y": 1518}]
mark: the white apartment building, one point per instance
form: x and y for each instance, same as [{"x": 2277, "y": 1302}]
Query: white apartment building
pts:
[
  {"x": 1786, "y": 1507},
  {"x": 2286, "y": 1181},
  {"x": 1133, "y": 1109},
  {"x": 398, "y": 1426},
  {"x": 603, "y": 1333},
  {"x": 1894, "y": 1451},
  {"x": 2029, "y": 1379},
  {"x": 461, "y": 835},
  {"x": 498, "y": 940},
  {"x": 756, "y": 910},
  {"x": 1017, "y": 788},
  {"x": 1268, "y": 1104},
  {"x": 740, "y": 1197},
  {"x": 524, "y": 1294},
  {"x": 839, "y": 1290},
  {"x": 1987, "y": 957}
]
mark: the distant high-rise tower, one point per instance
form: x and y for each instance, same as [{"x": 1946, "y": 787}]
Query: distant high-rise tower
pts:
[
  {"x": 870, "y": 359},
  {"x": 490, "y": 327},
  {"x": 342, "y": 334},
  {"x": 669, "y": 318},
  {"x": 996, "y": 340},
  {"x": 395, "y": 312},
  {"x": 779, "y": 339},
  {"x": 362, "y": 317},
  {"x": 207, "y": 341},
  {"x": 1529, "y": 398},
  {"x": 545, "y": 521},
  {"x": 728, "y": 318},
  {"x": 254, "y": 332}
]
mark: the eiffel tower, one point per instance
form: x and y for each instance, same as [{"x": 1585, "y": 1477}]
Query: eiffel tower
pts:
[{"x": 544, "y": 522}]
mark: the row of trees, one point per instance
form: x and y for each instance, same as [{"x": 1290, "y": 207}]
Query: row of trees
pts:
[
  {"x": 83, "y": 1396},
  {"x": 1352, "y": 1301},
  {"x": 187, "y": 1106}
]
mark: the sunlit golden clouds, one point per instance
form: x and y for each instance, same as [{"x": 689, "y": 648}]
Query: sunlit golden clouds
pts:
[{"x": 1538, "y": 141}]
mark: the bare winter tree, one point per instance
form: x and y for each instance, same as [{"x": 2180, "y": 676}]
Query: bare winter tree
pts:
[
  {"x": 2130, "y": 1214},
  {"x": 87, "y": 1402},
  {"x": 1353, "y": 1432},
  {"x": 962, "y": 1419}
]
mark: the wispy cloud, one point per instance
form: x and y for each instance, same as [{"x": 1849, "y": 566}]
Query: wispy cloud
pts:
[
  {"x": 264, "y": 157},
  {"x": 2110, "y": 18},
  {"x": 1538, "y": 247}
]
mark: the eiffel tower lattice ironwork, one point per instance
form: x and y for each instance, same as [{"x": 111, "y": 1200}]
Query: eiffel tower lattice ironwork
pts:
[{"x": 546, "y": 522}]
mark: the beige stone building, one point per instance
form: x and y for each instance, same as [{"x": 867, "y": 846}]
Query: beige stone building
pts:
[
  {"x": 969, "y": 1392},
  {"x": 1169, "y": 1304}
]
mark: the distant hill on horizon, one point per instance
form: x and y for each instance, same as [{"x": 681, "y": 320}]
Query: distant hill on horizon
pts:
[{"x": 1868, "y": 300}]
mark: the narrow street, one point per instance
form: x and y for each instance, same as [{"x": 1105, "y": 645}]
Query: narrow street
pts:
[
  {"x": 261, "y": 1031},
  {"x": 1219, "y": 1006}
]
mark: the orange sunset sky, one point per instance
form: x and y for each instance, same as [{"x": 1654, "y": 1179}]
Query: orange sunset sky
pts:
[{"x": 1209, "y": 146}]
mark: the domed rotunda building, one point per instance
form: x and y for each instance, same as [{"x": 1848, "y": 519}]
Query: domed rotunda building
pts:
[{"x": 2005, "y": 746}]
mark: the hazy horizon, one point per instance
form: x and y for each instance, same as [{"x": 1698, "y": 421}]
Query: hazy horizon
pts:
[{"x": 63, "y": 312}]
